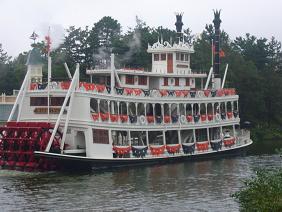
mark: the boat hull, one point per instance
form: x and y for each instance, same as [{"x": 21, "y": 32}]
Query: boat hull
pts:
[{"x": 73, "y": 163}]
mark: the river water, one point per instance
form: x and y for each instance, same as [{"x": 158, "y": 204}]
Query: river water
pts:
[{"x": 189, "y": 186}]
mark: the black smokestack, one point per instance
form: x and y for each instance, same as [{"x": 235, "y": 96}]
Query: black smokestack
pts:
[
  {"x": 179, "y": 25},
  {"x": 216, "y": 61}
]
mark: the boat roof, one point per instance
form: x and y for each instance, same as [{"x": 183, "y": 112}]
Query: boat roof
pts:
[{"x": 144, "y": 73}]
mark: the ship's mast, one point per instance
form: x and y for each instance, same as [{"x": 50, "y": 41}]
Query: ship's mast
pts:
[{"x": 216, "y": 60}]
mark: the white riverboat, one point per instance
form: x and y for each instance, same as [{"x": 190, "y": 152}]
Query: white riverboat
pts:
[{"x": 124, "y": 117}]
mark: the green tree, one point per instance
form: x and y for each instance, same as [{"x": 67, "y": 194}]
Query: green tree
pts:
[
  {"x": 4, "y": 58},
  {"x": 263, "y": 192},
  {"x": 102, "y": 37}
]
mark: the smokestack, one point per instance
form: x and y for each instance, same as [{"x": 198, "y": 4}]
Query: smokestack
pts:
[
  {"x": 216, "y": 61},
  {"x": 179, "y": 25}
]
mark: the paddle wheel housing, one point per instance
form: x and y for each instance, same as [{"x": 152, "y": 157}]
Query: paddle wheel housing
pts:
[{"x": 19, "y": 140}]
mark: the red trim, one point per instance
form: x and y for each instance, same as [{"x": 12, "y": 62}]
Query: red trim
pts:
[
  {"x": 137, "y": 91},
  {"x": 189, "y": 118},
  {"x": 163, "y": 92},
  {"x": 207, "y": 92},
  {"x": 203, "y": 117},
  {"x": 157, "y": 150},
  {"x": 128, "y": 91},
  {"x": 210, "y": 117},
  {"x": 123, "y": 118},
  {"x": 65, "y": 85},
  {"x": 185, "y": 93},
  {"x": 173, "y": 149},
  {"x": 121, "y": 150},
  {"x": 33, "y": 86},
  {"x": 167, "y": 119},
  {"x": 178, "y": 93},
  {"x": 104, "y": 116},
  {"x": 100, "y": 88},
  {"x": 202, "y": 146},
  {"x": 95, "y": 116},
  {"x": 229, "y": 142},
  {"x": 229, "y": 115},
  {"x": 114, "y": 117},
  {"x": 150, "y": 119}
]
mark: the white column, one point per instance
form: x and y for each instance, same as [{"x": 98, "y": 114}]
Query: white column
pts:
[
  {"x": 207, "y": 118},
  {"x": 147, "y": 138},
  {"x": 162, "y": 107},
  {"x": 98, "y": 109},
  {"x": 118, "y": 112},
  {"x": 112, "y": 73},
  {"x": 108, "y": 104},
  {"x": 208, "y": 135},
  {"x": 127, "y": 112},
  {"x": 169, "y": 106},
  {"x": 110, "y": 137},
  {"x": 194, "y": 135},
  {"x": 192, "y": 107},
  {"x": 129, "y": 137},
  {"x": 179, "y": 136},
  {"x": 164, "y": 140},
  {"x": 154, "y": 115}
]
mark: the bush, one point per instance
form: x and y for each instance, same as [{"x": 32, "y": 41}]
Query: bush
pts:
[{"x": 262, "y": 192}]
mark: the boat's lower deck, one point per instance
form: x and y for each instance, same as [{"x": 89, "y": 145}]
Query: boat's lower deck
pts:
[{"x": 73, "y": 162}]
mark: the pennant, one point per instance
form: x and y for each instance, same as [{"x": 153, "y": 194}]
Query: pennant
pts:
[{"x": 221, "y": 53}]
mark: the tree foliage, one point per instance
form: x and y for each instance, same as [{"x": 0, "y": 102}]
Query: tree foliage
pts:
[{"x": 262, "y": 192}]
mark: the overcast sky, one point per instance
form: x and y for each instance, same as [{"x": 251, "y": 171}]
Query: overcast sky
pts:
[{"x": 19, "y": 18}]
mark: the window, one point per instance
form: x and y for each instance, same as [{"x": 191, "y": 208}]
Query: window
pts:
[
  {"x": 142, "y": 80},
  {"x": 156, "y": 57},
  {"x": 186, "y": 57},
  {"x": 129, "y": 80},
  {"x": 187, "y": 82},
  {"x": 176, "y": 81},
  {"x": 177, "y": 56},
  {"x": 163, "y": 56},
  {"x": 100, "y": 136},
  {"x": 182, "y": 57},
  {"x": 38, "y": 101},
  {"x": 43, "y": 101},
  {"x": 165, "y": 81}
]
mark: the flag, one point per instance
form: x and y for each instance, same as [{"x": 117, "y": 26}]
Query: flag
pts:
[
  {"x": 48, "y": 43},
  {"x": 33, "y": 36},
  {"x": 221, "y": 53}
]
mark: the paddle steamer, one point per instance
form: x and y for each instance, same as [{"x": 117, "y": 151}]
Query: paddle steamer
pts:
[{"x": 124, "y": 117}]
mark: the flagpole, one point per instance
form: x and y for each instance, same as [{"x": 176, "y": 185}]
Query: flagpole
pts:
[
  {"x": 49, "y": 74},
  {"x": 212, "y": 51}
]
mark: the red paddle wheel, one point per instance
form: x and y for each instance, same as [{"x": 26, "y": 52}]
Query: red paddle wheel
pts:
[{"x": 19, "y": 140}]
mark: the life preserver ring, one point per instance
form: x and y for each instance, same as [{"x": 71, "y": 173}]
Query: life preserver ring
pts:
[
  {"x": 154, "y": 93},
  {"x": 201, "y": 94},
  {"x": 53, "y": 85},
  {"x": 182, "y": 119},
  {"x": 217, "y": 117},
  {"x": 142, "y": 119}
]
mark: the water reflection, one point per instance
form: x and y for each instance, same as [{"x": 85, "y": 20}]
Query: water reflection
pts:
[{"x": 191, "y": 186}]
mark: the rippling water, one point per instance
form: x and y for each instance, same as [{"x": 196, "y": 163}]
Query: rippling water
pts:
[{"x": 190, "y": 186}]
